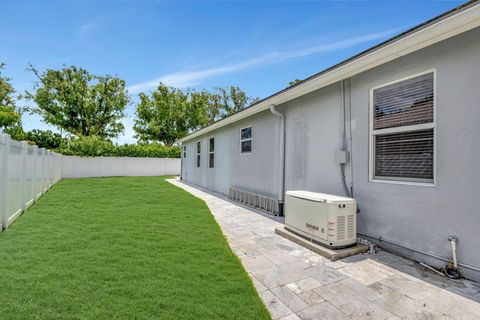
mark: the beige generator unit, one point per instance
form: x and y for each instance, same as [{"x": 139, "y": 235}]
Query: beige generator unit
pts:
[{"x": 322, "y": 218}]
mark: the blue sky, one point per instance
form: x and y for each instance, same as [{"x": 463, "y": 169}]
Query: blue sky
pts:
[{"x": 257, "y": 45}]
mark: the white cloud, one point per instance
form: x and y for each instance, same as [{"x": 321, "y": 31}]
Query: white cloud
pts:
[
  {"x": 190, "y": 78},
  {"x": 87, "y": 28}
]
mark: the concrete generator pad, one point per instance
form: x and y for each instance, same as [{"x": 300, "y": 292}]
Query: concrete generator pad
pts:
[{"x": 321, "y": 250}]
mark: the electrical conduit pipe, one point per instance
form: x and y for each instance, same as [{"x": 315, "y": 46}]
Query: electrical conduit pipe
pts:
[{"x": 281, "y": 185}]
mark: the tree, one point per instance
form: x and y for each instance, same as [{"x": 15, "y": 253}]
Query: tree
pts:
[
  {"x": 80, "y": 103},
  {"x": 294, "y": 82},
  {"x": 168, "y": 114},
  {"x": 9, "y": 115},
  {"x": 230, "y": 100},
  {"x": 163, "y": 116},
  {"x": 202, "y": 111}
]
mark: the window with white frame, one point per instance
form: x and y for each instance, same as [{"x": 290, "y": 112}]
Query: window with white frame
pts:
[
  {"x": 403, "y": 130},
  {"x": 246, "y": 140},
  {"x": 184, "y": 151},
  {"x": 199, "y": 149},
  {"x": 211, "y": 153}
]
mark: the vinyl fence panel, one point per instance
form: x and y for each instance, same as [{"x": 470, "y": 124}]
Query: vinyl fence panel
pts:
[
  {"x": 89, "y": 167},
  {"x": 26, "y": 173}
]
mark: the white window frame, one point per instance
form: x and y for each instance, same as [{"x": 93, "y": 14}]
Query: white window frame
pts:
[
  {"x": 409, "y": 128},
  {"x": 198, "y": 164},
  {"x": 211, "y": 152},
  {"x": 242, "y": 140}
]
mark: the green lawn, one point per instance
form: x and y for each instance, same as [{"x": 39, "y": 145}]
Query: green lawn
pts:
[{"x": 121, "y": 248}]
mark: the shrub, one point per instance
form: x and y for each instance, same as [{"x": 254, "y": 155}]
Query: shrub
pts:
[
  {"x": 151, "y": 150},
  {"x": 91, "y": 146},
  {"x": 44, "y": 138}
]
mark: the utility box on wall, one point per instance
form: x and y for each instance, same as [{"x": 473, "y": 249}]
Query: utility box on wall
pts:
[{"x": 342, "y": 156}]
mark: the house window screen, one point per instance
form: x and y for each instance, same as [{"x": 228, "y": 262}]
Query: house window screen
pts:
[
  {"x": 211, "y": 153},
  {"x": 403, "y": 130},
  {"x": 199, "y": 149},
  {"x": 246, "y": 140},
  {"x": 184, "y": 151}
]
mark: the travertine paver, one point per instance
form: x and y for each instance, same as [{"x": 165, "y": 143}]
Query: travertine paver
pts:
[{"x": 295, "y": 283}]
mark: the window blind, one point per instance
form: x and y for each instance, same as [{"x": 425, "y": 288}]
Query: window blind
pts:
[
  {"x": 199, "y": 146},
  {"x": 405, "y": 155},
  {"x": 211, "y": 153},
  {"x": 404, "y": 103}
]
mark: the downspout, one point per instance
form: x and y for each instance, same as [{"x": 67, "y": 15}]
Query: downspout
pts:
[
  {"x": 281, "y": 169},
  {"x": 181, "y": 161}
]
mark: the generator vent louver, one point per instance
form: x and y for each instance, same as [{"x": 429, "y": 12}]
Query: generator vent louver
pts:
[
  {"x": 253, "y": 200},
  {"x": 351, "y": 232},
  {"x": 341, "y": 227}
]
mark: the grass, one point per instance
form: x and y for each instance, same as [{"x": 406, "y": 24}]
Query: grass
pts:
[{"x": 121, "y": 248}]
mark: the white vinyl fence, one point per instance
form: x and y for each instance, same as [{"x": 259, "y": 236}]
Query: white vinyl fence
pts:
[
  {"x": 27, "y": 172},
  {"x": 87, "y": 167}
]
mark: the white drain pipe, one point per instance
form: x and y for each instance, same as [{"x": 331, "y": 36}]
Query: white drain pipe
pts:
[
  {"x": 281, "y": 185},
  {"x": 453, "y": 242}
]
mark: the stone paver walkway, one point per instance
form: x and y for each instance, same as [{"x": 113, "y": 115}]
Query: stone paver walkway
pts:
[{"x": 296, "y": 283}]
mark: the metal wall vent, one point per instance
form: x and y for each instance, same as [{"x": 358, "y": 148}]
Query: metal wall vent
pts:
[{"x": 253, "y": 200}]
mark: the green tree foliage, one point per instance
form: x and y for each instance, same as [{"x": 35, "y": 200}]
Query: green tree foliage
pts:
[
  {"x": 294, "y": 82},
  {"x": 16, "y": 132},
  {"x": 80, "y": 103},
  {"x": 230, "y": 100},
  {"x": 168, "y": 114},
  {"x": 9, "y": 115},
  {"x": 44, "y": 138}
]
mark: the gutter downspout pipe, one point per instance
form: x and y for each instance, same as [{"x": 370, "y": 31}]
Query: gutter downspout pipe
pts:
[
  {"x": 181, "y": 161},
  {"x": 281, "y": 185}
]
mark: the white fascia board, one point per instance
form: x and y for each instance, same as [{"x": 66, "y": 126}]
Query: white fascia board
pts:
[{"x": 438, "y": 31}]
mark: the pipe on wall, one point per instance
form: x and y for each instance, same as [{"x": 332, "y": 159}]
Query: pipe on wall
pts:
[
  {"x": 281, "y": 185},
  {"x": 181, "y": 161},
  {"x": 344, "y": 94},
  {"x": 380, "y": 239}
]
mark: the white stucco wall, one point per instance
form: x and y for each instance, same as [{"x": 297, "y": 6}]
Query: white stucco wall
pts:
[
  {"x": 423, "y": 217},
  {"x": 255, "y": 172},
  {"x": 417, "y": 217}
]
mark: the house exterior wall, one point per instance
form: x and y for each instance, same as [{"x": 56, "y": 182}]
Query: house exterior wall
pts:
[
  {"x": 412, "y": 220},
  {"x": 313, "y": 134},
  {"x": 422, "y": 217},
  {"x": 417, "y": 217},
  {"x": 256, "y": 172}
]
